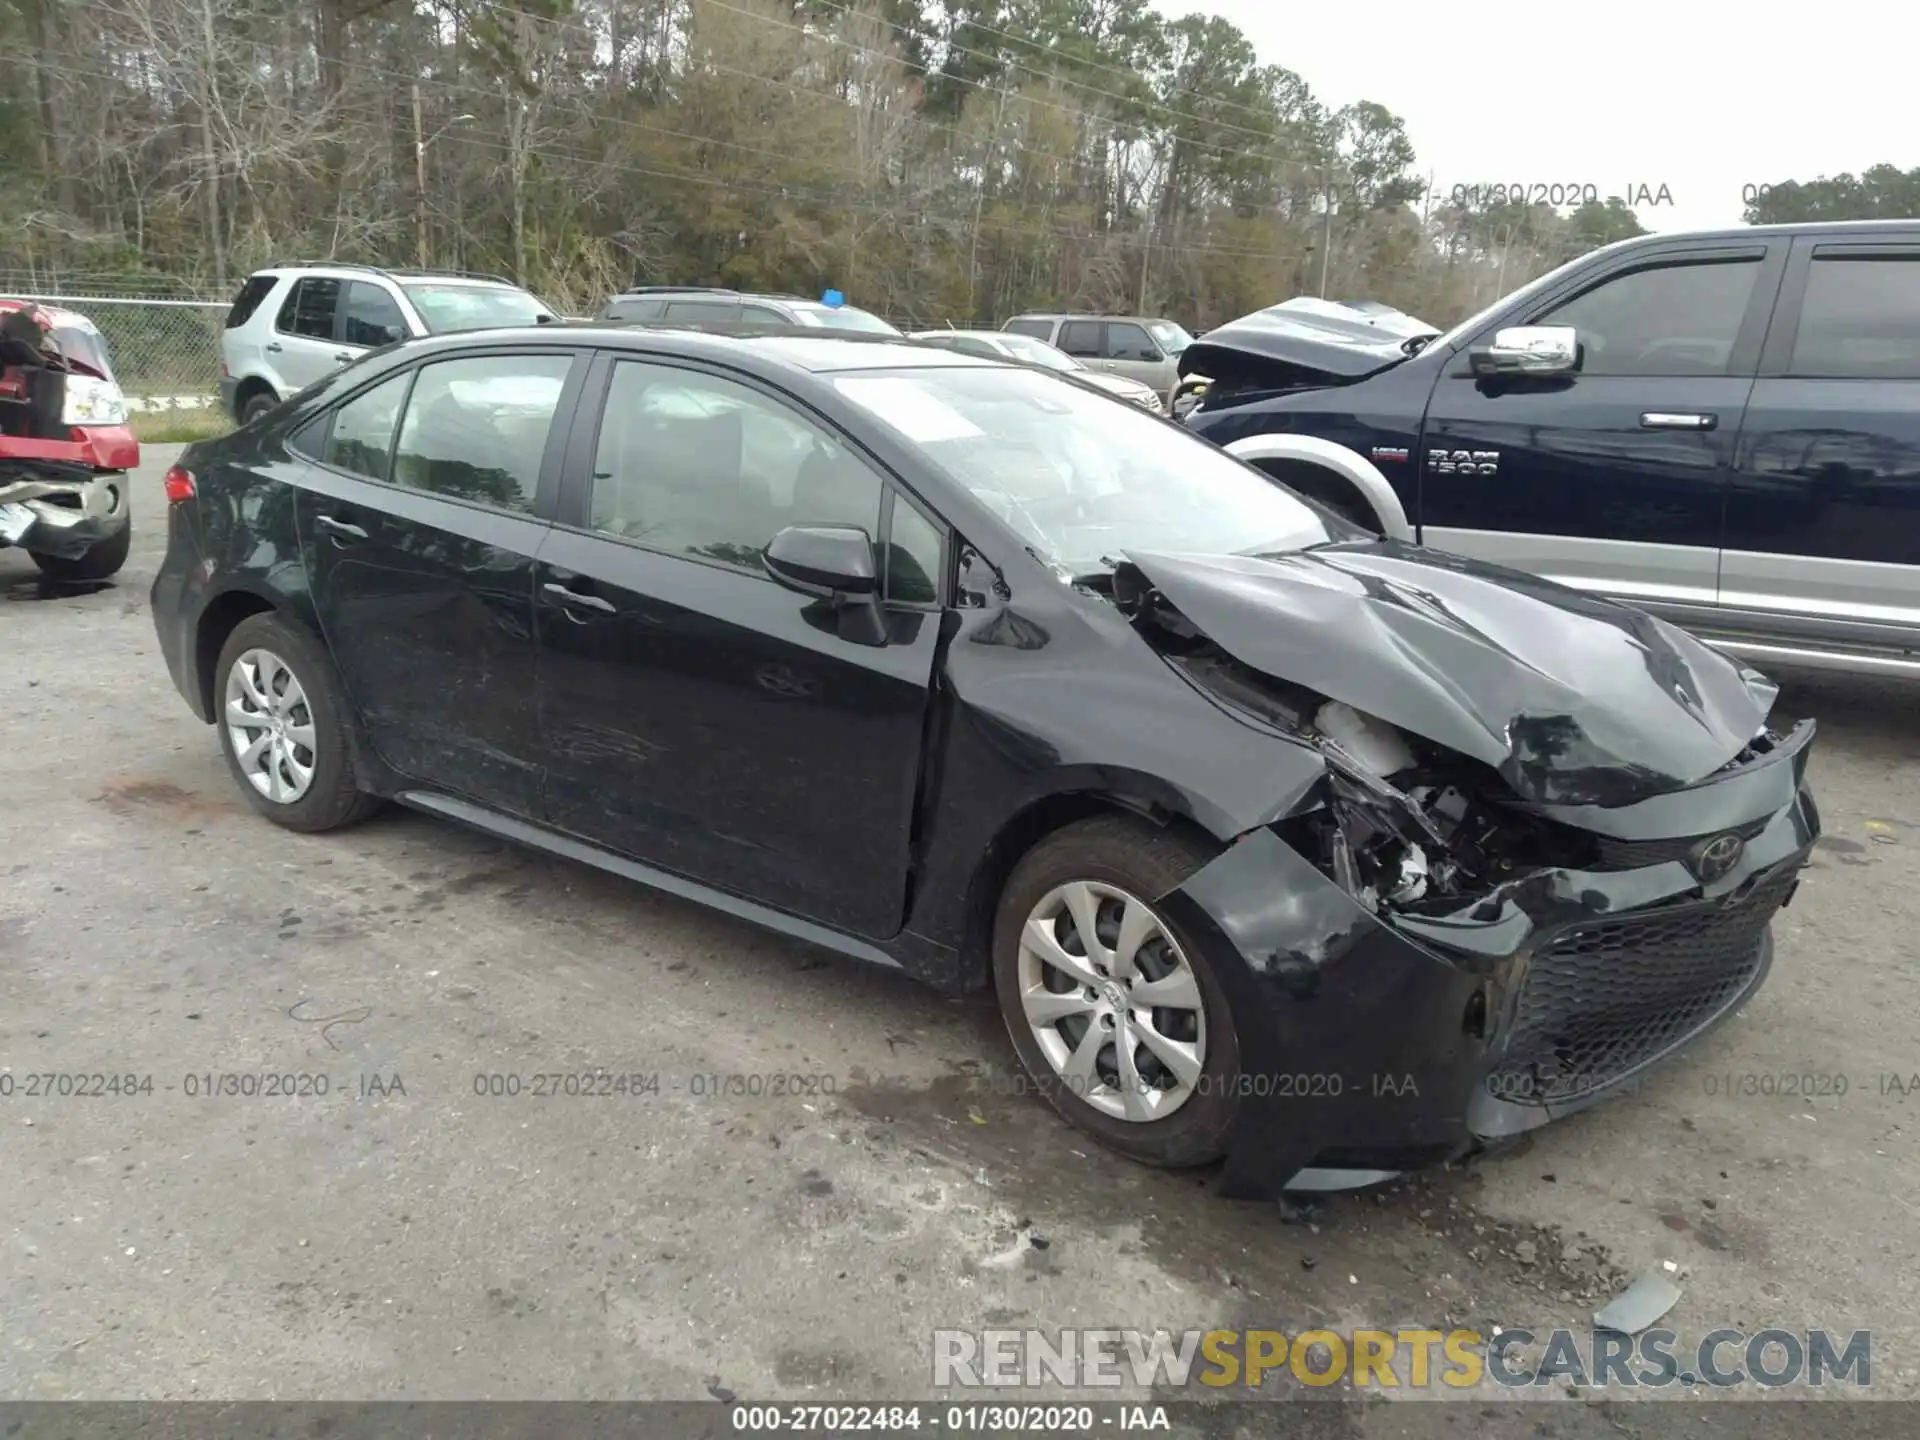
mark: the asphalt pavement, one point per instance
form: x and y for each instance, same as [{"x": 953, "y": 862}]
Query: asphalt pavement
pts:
[{"x": 811, "y": 1165}]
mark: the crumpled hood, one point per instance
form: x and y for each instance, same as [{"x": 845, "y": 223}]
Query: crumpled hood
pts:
[
  {"x": 1343, "y": 340},
  {"x": 1574, "y": 699}
]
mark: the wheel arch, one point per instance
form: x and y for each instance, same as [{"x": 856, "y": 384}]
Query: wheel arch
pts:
[
  {"x": 251, "y": 386},
  {"x": 1345, "y": 468},
  {"x": 1027, "y": 827},
  {"x": 222, "y": 616}
]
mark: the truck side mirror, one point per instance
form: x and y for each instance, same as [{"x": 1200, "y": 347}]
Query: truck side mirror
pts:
[{"x": 1531, "y": 350}]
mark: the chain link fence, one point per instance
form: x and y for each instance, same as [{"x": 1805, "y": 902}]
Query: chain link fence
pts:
[{"x": 165, "y": 353}]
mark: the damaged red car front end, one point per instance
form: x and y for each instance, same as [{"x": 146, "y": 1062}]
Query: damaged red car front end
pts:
[{"x": 65, "y": 445}]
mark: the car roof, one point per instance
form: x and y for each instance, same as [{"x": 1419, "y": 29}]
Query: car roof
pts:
[
  {"x": 346, "y": 271},
  {"x": 814, "y": 352},
  {"x": 715, "y": 292},
  {"x": 1804, "y": 227},
  {"x": 1087, "y": 315}
]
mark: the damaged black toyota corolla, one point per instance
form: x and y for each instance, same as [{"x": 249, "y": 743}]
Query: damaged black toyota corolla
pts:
[{"x": 1328, "y": 855}]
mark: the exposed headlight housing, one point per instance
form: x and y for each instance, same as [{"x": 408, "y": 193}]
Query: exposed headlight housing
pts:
[{"x": 93, "y": 402}]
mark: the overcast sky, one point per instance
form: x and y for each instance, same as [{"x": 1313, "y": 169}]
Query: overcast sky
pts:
[{"x": 1688, "y": 94}]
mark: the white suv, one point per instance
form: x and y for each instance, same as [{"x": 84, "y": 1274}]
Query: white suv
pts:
[{"x": 291, "y": 325}]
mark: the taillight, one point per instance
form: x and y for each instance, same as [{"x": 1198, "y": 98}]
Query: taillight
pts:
[{"x": 178, "y": 485}]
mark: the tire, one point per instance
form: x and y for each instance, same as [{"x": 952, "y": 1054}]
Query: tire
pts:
[
  {"x": 257, "y": 405},
  {"x": 102, "y": 559},
  {"x": 331, "y": 797},
  {"x": 1118, "y": 853}
]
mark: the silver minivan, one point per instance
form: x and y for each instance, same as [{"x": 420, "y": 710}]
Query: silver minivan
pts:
[{"x": 1135, "y": 346}]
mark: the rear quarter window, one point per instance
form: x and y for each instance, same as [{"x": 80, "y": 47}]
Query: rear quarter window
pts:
[
  {"x": 1038, "y": 329},
  {"x": 257, "y": 288}
]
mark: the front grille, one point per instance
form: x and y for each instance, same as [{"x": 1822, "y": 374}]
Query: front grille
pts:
[
  {"x": 1607, "y": 996},
  {"x": 1633, "y": 854}
]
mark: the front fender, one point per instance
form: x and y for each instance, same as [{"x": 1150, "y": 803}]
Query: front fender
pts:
[{"x": 1349, "y": 465}]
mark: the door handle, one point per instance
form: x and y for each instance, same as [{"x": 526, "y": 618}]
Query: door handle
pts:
[
  {"x": 273, "y": 348},
  {"x": 574, "y": 597},
  {"x": 339, "y": 527},
  {"x": 1670, "y": 420}
]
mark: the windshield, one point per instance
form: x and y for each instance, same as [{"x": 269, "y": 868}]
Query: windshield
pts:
[
  {"x": 1037, "y": 352},
  {"x": 843, "y": 317},
  {"x": 448, "y": 307},
  {"x": 1080, "y": 479},
  {"x": 1170, "y": 337}
]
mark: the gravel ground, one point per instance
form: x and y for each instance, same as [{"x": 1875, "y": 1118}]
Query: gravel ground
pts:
[{"x": 406, "y": 1237}]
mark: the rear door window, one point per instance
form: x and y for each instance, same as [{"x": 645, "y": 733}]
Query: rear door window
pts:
[
  {"x": 310, "y": 307},
  {"x": 1860, "y": 319},
  {"x": 1081, "y": 338},
  {"x": 476, "y": 429}
]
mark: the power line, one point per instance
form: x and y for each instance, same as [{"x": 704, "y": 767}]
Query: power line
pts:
[
  {"x": 980, "y": 25},
  {"x": 773, "y": 21}
]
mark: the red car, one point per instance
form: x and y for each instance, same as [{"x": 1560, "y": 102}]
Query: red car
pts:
[{"x": 65, "y": 446}]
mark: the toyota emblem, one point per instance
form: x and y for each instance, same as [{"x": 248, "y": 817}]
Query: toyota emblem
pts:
[{"x": 1718, "y": 856}]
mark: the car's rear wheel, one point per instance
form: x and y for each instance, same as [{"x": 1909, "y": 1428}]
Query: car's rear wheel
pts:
[
  {"x": 1116, "y": 1015},
  {"x": 97, "y": 562},
  {"x": 281, "y": 717}
]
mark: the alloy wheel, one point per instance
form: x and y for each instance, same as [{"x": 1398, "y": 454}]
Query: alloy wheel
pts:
[
  {"x": 1112, "y": 1001},
  {"x": 270, "y": 726}
]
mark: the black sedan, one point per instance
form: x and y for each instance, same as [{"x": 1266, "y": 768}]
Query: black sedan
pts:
[{"x": 1276, "y": 841}]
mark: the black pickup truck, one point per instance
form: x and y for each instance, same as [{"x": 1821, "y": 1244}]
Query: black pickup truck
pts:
[{"x": 1723, "y": 428}]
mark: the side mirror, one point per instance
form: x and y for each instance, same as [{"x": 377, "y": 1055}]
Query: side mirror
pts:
[
  {"x": 1529, "y": 350},
  {"x": 544, "y": 319},
  {"x": 830, "y": 562}
]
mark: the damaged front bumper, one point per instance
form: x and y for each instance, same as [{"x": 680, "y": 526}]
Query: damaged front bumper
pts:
[
  {"x": 59, "y": 508},
  {"x": 1377, "y": 1039}
]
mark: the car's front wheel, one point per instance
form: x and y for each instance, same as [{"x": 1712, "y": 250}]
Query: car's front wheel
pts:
[
  {"x": 1116, "y": 1015},
  {"x": 257, "y": 405},
  {"x": 281, "y": 717}
]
